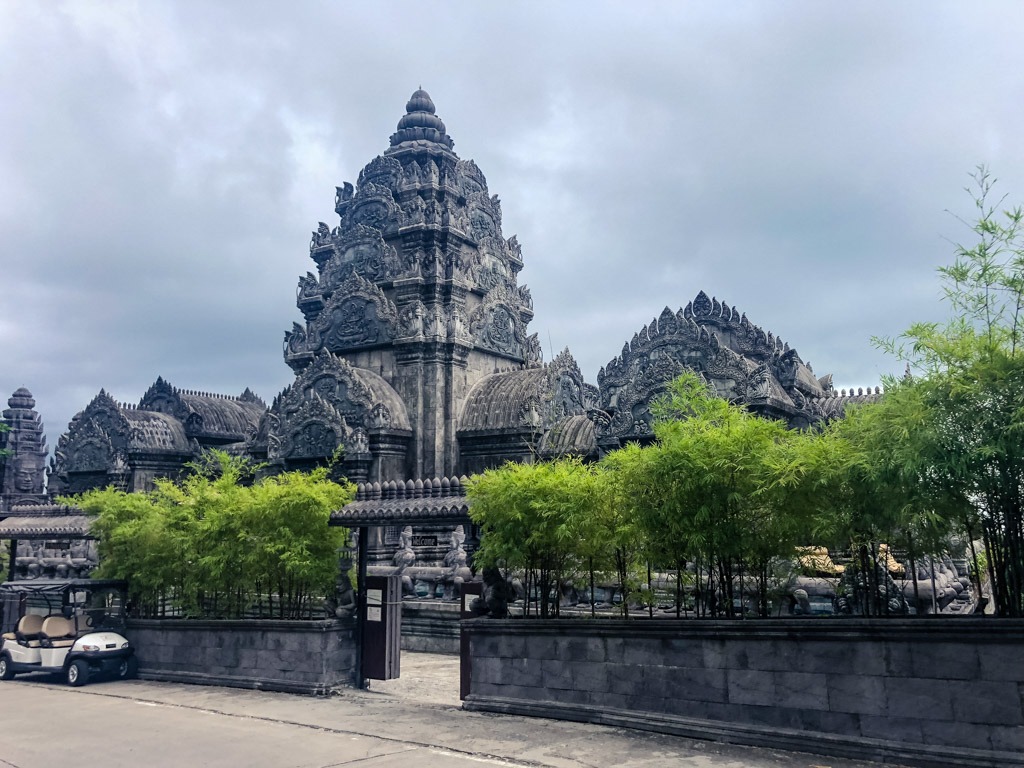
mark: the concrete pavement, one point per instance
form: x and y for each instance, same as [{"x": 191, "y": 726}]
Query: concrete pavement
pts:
[{"x": 414, "y": 722}]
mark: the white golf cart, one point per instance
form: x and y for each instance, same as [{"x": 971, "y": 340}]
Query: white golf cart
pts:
[{"x": 69, "y": 626}]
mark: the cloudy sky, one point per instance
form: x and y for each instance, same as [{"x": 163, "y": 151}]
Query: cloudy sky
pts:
[{"x": 162, "y": 165}]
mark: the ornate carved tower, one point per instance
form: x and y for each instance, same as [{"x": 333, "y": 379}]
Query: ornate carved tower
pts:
[
  {"x": 415, "y": 299},
  {"x": 22, "y": 474}
]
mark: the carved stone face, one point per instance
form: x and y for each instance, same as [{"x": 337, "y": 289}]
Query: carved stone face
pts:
[{"x": 24, "y": 477}]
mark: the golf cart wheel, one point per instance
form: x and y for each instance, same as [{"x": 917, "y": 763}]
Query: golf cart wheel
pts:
[
  {"x": 78, "y": 673},
  {"x": 6, "y": 673},
  {"x": 129, "y": 668}
]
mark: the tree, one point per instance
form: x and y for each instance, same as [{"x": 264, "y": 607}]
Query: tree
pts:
[
  {"x": 966, "y": 424},
  {"x": 534, "y": 518},
  {"x": 876, "y": 490},
  {"x": 725, "y": 485},
  {"x": 216, "y": 544},
  {"x": 4, "y": 452}
]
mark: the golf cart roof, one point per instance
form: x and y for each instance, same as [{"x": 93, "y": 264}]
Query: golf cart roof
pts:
[{"x": 58, "y": 586}]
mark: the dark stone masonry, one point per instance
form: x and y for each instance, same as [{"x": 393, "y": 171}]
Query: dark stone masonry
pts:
[
  {"x": 309, "y": 657},
  {"x": 917, "y": 692}
]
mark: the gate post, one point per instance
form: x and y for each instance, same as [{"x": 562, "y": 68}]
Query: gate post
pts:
[{"x": 470, "y": 591}]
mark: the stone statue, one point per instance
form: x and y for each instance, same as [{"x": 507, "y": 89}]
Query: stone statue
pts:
[
  {"x": 342, "y": 604},
  {"x": 456, "y": 571},
  {"x": 858, "y": 596},
  {"x": 497, "y": 592},
  {"x": 404, "y": 557}
]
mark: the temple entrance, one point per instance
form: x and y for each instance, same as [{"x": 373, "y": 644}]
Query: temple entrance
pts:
[
  {"x": 431, "y": 679},
  {"x": 411, "y": 603}
]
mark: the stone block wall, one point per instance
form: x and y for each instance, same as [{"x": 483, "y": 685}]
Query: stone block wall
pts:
[
  {"x": 430, "y": 626},
  {"x": 309, "y": 657},
  {"x": 926, "y": 692}
]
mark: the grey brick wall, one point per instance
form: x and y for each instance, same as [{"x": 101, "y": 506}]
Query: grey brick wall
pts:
[
  {"x": 294, "y": 656},
  {"x": 922, "y": 690}
]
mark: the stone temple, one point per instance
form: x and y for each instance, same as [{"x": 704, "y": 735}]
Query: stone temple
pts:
[{"x": 413, "y": 357}]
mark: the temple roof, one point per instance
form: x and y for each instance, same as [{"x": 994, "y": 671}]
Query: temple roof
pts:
[
  {"x": 154, "y": 432},
  {"x": 70, "y": 527},
  {"x": 206, "y": 416},
  {"x": 503, "y": 401},
  {"x": 574, "y": 435},
  {"x": 420, "y": 124},
  {"x": 414, "y": 501},
  {"x": 383, "y": 393},
  {"x": 224, "y": 416},
  {"x": 41, "y": 521}
]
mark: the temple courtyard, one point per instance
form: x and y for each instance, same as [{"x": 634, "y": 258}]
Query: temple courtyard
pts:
[{"x": 415, "y": 720}]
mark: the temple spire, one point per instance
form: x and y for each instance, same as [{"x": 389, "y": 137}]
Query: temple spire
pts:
[{"x": 420, "y": 125}]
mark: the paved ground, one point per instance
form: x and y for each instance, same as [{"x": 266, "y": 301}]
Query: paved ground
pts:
[{"x": 414, "y": 722}]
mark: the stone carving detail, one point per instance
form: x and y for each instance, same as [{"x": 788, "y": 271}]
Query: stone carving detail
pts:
[
  {"x": 471, "y": 178},
  {"x": 55, "y": 559},
  {"x": 410, "y": 320},
  {"x": 457, "y": 327},
  {"x": 534, "y": 354},
  {"x": 414, "y": 212},
  {"x": 93, "y": 440},
  {"x": 380, "y": 416},
  {"x": 497, "y": 326},
  {"x": 310, "y": 428},
  {"x": 373, "y": 206},
  {"x": 358, "y": 314},
  {"x": 321, "y": 236},
  {"x": 329, "y": 394},
  {"x": 358, "y": 442},
  {"x": 360, "y": 249},
  {"x": 565, "y": 388},
  {"x": 308, "y": 291},
  {"x": 343, "y": 194},
  {"x": 759, "y": 384},
  {"x": 382, "y": 172},
  {"x": 456, "y": 571}
]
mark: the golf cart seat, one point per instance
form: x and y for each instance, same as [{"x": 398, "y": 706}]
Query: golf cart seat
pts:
[
  {"x": 58, "y": 632},
  {"x": 27, "y": 633}
]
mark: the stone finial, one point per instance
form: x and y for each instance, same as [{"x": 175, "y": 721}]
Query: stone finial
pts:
[
  {"x": 420, "y": 123},
  {"x": 21, "y": 398}
]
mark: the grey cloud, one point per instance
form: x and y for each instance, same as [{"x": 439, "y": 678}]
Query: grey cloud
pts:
[{"x": 161, "y": 166}]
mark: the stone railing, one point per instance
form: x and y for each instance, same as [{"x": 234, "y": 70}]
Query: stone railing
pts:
[
  {"x": 922, "y": 692},
  {"x": 439, "y": 487}
]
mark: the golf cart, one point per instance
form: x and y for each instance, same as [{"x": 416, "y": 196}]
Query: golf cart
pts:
[{"x": 71, "y": 626}]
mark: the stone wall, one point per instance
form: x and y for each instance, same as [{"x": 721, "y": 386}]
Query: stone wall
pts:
[
  {"x": 293, "y": 656},
  {"x": 925, "y": 692},
  {"x": 430, "y": 626}
]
